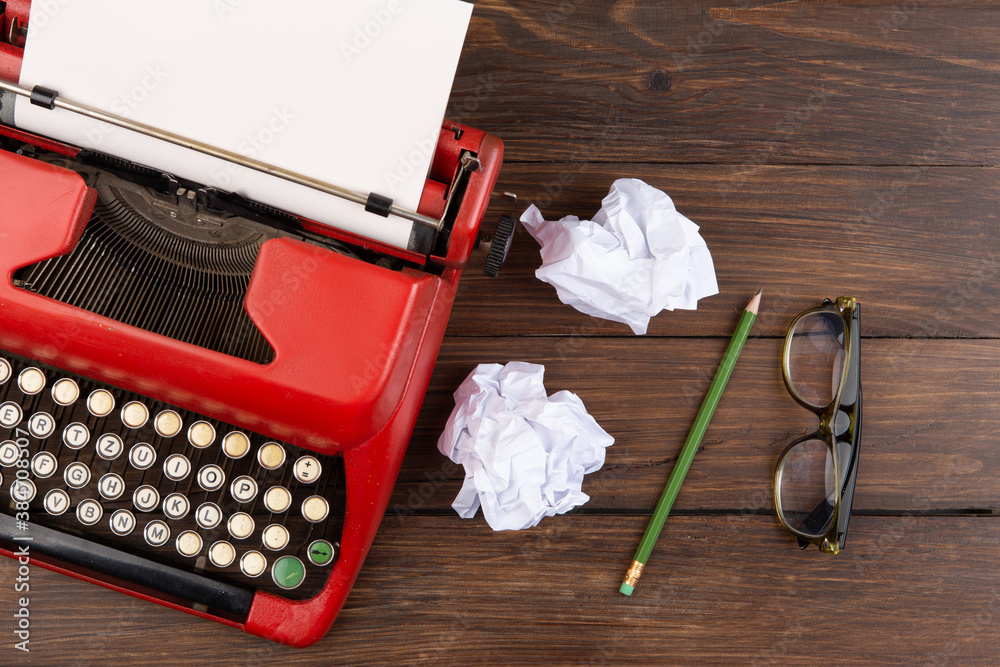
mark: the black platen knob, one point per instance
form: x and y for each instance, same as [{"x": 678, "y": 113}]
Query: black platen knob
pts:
[{"x": 500, "y": 246}]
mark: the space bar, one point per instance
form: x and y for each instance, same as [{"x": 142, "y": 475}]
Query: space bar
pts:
[{"x": 146, "y": 573}]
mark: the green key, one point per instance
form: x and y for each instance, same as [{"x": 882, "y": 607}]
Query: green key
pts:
[
  {"x": 288, "y": 572},
  {"x": 320, "y": 552}
]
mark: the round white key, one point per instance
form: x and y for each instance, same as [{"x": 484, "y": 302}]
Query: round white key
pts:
[
  {"x": 76, "y": 475},
  {"x": 44, "y": 465},
  {"x": 243, "y": 489},
  {"x": 222, "y": 554},
  {"x": 307, "y": 469},
  {"x": 111, "y": 486},
  {"x": 100, "y": 403},
  {"x": 315, "y": 509},
  {"x": 211, "y": 478},
  {"x": 275, "y": 537},
  {"x": 177, "y": 467},
  {"x": 277, "y": 499},
  {"x": 208, "y": 515},
  {"x": 41, "y": 425},
  {"x": 56, "y": 502},
  {"x": 271, "y": 456},
  {"x": 141, "y": 456},
  {"x": 135, "y": 414},
  {"x": 176, "y": 506},
  {"x": 10, "y": 414},
  {"x": 31, "y": 381},
  {"x": 76, "y": 435},
  {"x": 156, "y": 533},
  {"x": 168, "y": 423},
  {"x": 65, "y": 392},
  {"x": 9, "y": 453},
  {"x": 146, "y": 498},
  {"x": 189, "y": 543},
  {"x": 110, "y": 447},
  {"x": 235, "y": 445},
  {"x": 23, "y": 490},
  {"x": 201, "y": 434},
  {"x": 4, "y": 371},
  {"x": 240, "y": 525},
  {"x": 122, "y": 522},
  {"x": 89, "y": 512},
  {"x": 253, "y": 563}
]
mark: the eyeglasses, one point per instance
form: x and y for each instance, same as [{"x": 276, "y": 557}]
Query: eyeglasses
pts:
[{"x": 814, "y": 478}]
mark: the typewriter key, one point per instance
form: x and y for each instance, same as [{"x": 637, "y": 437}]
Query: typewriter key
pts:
[
  {"x": 56, "y": 502},
  {"x": 111, "y": 486},
  {"x": 65, "y": 392},
  {"x": 176, "y": 506},
  {"x": 31, "y": 381},
  {"x": 41, "y": 425},
  {"x": 271, "y": 456},
  {"x": 76, "y": 435},
  {"x": 9, "y": 453},
  {"x": 189, "y": 543},
  {"x": 211, "y": 478},
  {"x": 243, "y": 489},
  {"x": 122, "y": 522},
  {"x": 146, "y": 498},
  {"x": 208, "y": 516},
  {"x": 253, "y": 563},
  {"x": 89, "y": 512},
  {"x": 168, "y": 423},
  {"x": 4, "y": 371},
  {"x": 308, "y": 469},
  {"x": 176, "y": 467},
  {"x": 275, "y": 537},
  {"x": 76, "y": 475},
  {"x": 222, "y": 554},
  {"x": 23, "y": 490},
  {"x": 10, "y": 414},
  {"x": 277, "y": 499},
  {"x": 156, "y": 533},
  {"x": 141, "y": 456},
  {"x": 135, "y": 414},
  {"x": 240, "y": 525},
  {"x": 288, "y": 572},
  {"x": 100, "y": 403},
  {"x": 109, "y": 446},
  {"x": 321, "y": 553},
  {"x": 201, "y": 434},
  {"x": 235, "y": 445},
  {"x": 43, "y": 465},
  {"x": 315, "y": 508}
]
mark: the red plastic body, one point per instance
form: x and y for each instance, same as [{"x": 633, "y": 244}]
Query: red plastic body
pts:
[{"x": 354, "y": 345}]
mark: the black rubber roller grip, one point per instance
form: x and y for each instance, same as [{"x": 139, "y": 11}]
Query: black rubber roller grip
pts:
[{"x": 500, "y": 246}]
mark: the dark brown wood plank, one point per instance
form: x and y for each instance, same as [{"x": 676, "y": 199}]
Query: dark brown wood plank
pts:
[
  {"x": 920, "y": 248},
  {"x": 738, "y": 81},
  {"x": 929, "y": 438},
  {"x": 438, "y": 590}
]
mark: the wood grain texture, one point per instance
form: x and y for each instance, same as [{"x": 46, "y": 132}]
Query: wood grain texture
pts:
[
  {"x": 718, "y": 589},
  {"x": 738, "y": 82}
]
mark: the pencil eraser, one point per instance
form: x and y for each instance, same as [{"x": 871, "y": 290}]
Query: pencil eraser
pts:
[{"x": 626, "y": 589}]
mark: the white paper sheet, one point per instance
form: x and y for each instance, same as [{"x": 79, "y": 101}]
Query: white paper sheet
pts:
[
  {"x": 524, "y": 453},
  {"x": 637, "y": 257},
  {"x": 351, "y": 92}
]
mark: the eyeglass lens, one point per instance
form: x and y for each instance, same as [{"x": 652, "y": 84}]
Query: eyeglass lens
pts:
[
  {"x": 808, "y": 487},
  {"x": 816, "y": 357}
]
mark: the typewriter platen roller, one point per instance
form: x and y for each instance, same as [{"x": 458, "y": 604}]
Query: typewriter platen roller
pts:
[{"x": 194, "y": 302}]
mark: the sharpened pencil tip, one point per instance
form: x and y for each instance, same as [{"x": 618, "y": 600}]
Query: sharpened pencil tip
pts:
[{"x": 755, "y": 301}]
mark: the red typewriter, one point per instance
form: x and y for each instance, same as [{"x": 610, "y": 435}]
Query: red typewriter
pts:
[{"x": 204, "y": 402}]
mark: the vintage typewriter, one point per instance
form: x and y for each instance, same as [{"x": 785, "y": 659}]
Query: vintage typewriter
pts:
[{"x": 204, "y": 402}]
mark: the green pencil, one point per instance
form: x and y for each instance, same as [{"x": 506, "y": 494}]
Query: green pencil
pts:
[{"x": 691, "y": 445}]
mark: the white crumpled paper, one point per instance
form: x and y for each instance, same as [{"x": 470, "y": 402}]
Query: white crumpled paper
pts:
[
  {"x": 638, "y": 256},
  {"x": 524, "y": 453}
]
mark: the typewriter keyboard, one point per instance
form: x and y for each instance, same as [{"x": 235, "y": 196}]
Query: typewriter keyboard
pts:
[{"x": 151, "y": 481}]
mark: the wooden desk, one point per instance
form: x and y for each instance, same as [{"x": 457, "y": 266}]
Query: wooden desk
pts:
[{"x": 825, "y": 148}]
